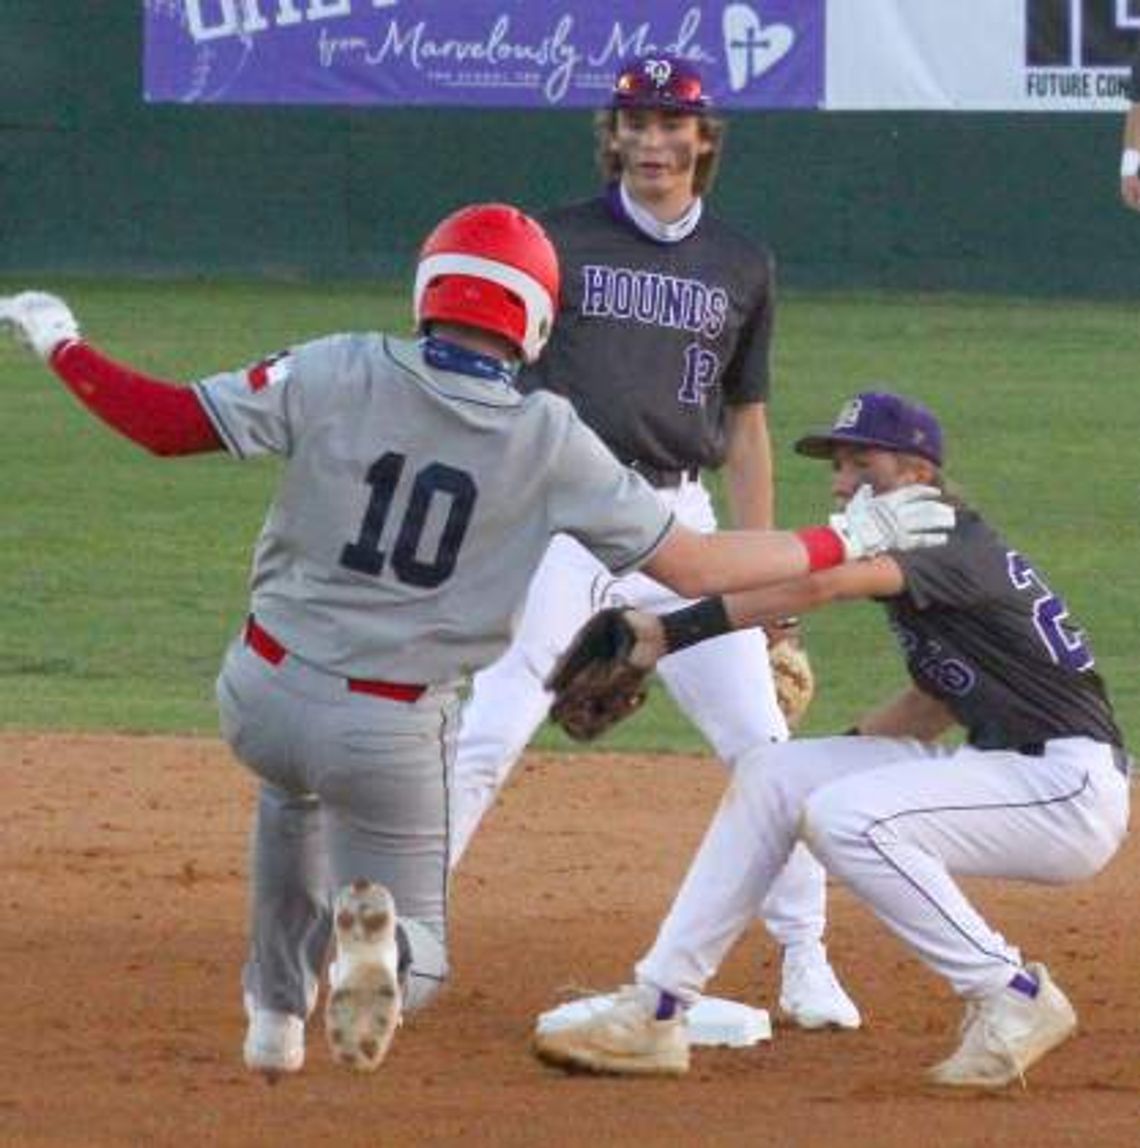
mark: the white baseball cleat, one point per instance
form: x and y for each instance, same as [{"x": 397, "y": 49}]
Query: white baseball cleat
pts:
[
  {"x": 631, "y": 1037},
  {"x": 364, "y": 1003},
  {"x": 811, "y": 996},
  {"x": 274, "y": 1043},
  {"x": 1007, "y": 1032}
]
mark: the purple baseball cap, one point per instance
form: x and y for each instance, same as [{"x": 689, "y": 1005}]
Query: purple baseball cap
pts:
[
  {"x": 879, "y": 419},
  {"x": 659, "y": 81}
]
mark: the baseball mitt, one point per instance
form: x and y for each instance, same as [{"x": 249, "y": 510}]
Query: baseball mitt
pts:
[
  {"x": 595, "y": 685},
  {"x": 793, "y": 678}
]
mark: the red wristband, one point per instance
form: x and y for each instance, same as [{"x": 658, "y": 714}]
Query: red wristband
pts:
[{"x": 824, "y": 547}]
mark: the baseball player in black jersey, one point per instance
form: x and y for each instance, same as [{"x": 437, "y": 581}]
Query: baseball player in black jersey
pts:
[
  {"x": 1038, "y": 791},
  {"x": 662, "y": 346}
]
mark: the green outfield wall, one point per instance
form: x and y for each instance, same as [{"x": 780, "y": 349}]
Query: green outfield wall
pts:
[{"x": 92, "y": 180}]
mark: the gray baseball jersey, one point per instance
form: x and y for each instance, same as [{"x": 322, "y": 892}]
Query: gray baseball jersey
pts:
[
  {"x": 415, "y": 503},
  {"x": 982, "y": 631}
]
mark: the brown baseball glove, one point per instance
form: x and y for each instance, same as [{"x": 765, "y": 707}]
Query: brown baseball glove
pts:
[
  {"x": 594, "y": 683},
  {"x": 793, "y": 678}
]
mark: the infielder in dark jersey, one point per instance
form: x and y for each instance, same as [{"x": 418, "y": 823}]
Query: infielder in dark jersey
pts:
[
  {"x": 418, "y": 493},
  {"x": 662, "y": 346},
  {"x": 1038, "y": 791}
]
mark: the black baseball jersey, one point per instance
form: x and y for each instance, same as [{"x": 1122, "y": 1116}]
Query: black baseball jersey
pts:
[
  {"x": 982, "y": 631},
  {"x": 653, "y": 339}
]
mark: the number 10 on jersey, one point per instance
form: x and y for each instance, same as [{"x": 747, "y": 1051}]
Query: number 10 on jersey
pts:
[{"x": 436, "y": 480}]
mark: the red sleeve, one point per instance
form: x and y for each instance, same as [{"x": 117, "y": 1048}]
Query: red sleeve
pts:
[{"x": 165, "y": 418}]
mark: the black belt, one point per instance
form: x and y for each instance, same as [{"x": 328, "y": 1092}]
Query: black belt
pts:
[
  {"x": 664, "y": 479},
  {"x": 1120, "y": 756}
]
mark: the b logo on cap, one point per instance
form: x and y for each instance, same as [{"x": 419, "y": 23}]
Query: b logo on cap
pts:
[{"x": 848, "y": 417}]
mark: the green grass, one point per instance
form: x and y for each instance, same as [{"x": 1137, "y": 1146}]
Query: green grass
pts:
[{"x": 122, "y": 576}]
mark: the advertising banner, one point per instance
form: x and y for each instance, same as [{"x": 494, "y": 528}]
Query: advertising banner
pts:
[
  {"x": 469, "y": 53},
  {"x": 952, "y": 55}
]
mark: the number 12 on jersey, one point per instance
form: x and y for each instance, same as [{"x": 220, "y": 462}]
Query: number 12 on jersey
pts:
[{"x": 431, "y": 482}]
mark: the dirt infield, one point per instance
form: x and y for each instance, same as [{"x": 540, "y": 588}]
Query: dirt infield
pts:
[{"x": 122, "y": 883}]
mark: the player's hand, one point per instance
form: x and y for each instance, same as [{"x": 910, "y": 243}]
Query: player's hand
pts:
[
  {"x": 649, "y": 638},
  {"x": 785, "y": 629},
  {"x": 909, "y": 518},
  {"x": 1130, "y": 191},
  {"x": 38, "y": 320}
]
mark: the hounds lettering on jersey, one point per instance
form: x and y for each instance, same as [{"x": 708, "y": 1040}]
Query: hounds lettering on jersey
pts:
[
  {"x": 654, "y": 299},
  {"x": 669, "y": 301}
]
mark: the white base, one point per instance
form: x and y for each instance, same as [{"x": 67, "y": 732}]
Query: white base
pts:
[{"x": 710, "y": 1021}]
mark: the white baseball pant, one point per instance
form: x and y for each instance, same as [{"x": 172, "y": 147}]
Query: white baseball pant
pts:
[
  {"x": 724, "y": 686},
  {"x": 893, "y": 820}
]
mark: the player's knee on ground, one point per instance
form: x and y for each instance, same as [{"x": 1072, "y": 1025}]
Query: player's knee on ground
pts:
[{"x": 423, "y": 963}]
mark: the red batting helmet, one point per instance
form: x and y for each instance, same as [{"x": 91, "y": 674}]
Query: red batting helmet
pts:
[{"x": 492, "y": 267}]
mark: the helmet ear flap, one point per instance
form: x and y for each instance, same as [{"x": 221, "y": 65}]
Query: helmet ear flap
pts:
[
  {"x": 475, "y": 302},
  {"x": 494, "y": 268}
]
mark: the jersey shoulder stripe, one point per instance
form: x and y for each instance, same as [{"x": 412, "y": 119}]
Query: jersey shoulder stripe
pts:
[
  {"x": 647, "y": 553},
  {"x": 217, "y": 420}
]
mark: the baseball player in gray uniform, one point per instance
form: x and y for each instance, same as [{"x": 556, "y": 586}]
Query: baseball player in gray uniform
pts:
[
  {"x": 1038, "y": 791},
  {"x": 662, "y": 345},
  {"x": 419, "y": 492}
]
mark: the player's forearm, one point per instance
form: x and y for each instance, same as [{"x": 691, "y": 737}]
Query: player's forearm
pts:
[
  {"x": 749, "y": 497},
  {"x": 879, "y": 577},
  {"x": 163, "y": 417},
  {"x": 791, "y": 598},
  {"x": 1132, "y": 128},
  {"x": 658, "y": 635},
  {"x": 784, "y": 599},
  {"x": 748, "y": 469},
  {"x": 1130, "y": 158},
  {"x": 912, "y": 713},
  {"x": 696, "y": 565},
  {"x": 870, "y": 526},
  {"x": 661, "y": 634}
]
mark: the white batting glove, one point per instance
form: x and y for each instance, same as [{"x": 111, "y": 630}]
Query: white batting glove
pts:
[
  {"x": 905, "y": 519},
  {"x": 38, "y": 320}
]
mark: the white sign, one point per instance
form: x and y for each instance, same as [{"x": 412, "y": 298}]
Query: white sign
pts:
[{"x": 979, "y": 55}]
